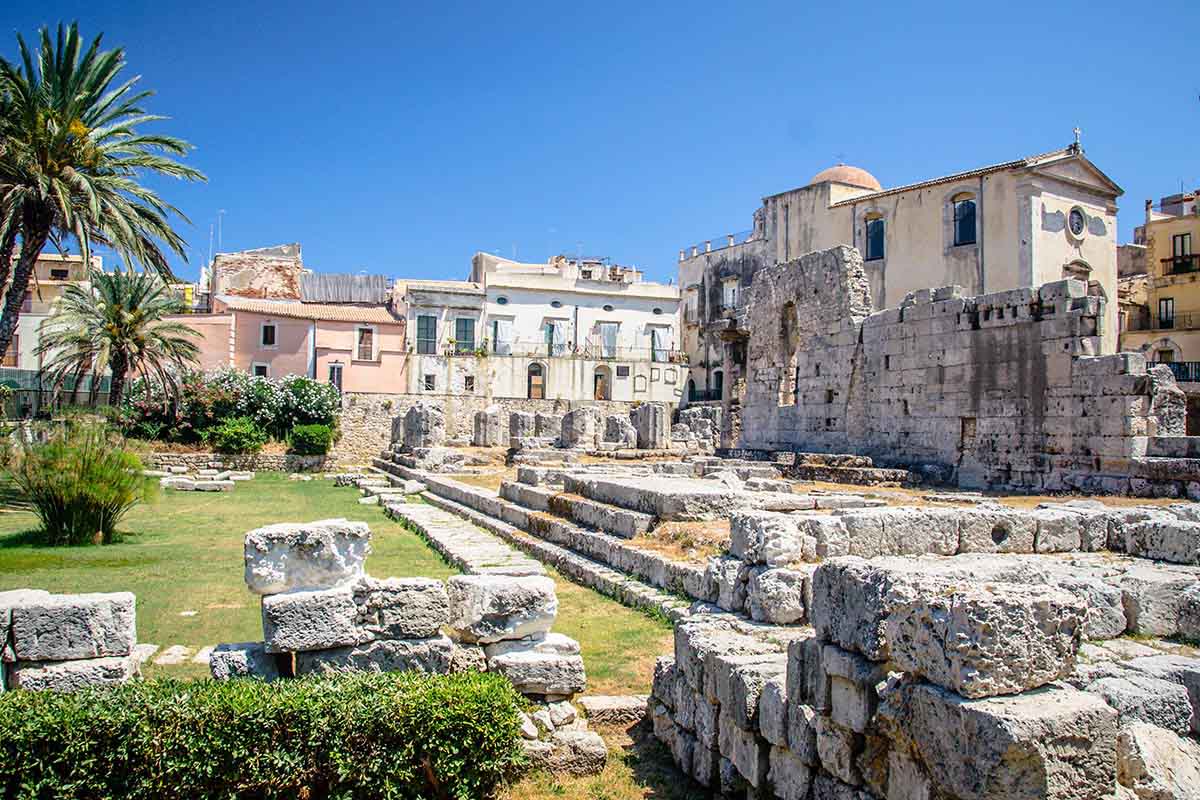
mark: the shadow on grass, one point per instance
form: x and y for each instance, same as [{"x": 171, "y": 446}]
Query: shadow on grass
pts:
[
  {"x": 655, "y": 770},
  {"x": 11, "y": 497}
]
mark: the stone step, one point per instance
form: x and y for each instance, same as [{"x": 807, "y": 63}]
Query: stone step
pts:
[
  {"x": 859, "y": 476},
  {"x": 580, "y": 569},
  {"x": 589, "y": 513},
  {"x": 464, "y": 545}
]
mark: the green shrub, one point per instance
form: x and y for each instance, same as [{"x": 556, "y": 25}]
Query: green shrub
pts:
[
  {"x": 80, "y": 482},
  {"x": 311, "y": 440},
  {"x": 391, "y": 735},
  {"x": 237, "y": 435}
]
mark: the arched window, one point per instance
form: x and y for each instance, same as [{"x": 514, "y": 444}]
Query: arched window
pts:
[
  {"x": 602, "y": 384},
  {"x": 964, "y": 218},
  {"x": 536, "y": 382},
  {"x": 691, "y": 386},
  {"x": 875, "y": 230},
  {"x": 718, "y": 384}
]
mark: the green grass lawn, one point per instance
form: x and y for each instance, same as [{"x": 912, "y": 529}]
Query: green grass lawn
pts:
[{"x": 183, "y": 553}]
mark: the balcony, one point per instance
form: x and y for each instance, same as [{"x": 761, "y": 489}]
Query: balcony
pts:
[
  {"x": 1183, "y": 321},
  {"x": 704, "y": 396},
  {"x": 1181, "y": 265},
  {"x": 1184, "y": 371}
]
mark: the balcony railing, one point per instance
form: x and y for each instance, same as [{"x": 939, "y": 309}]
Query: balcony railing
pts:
[
  {"x": 1183, "y": 321},
  {"x": 1181, "y": 265},
  {"x": 1184, "y": 371},
  {"x": 540, "y": 348},
  {"x": 704, "y": 395}
]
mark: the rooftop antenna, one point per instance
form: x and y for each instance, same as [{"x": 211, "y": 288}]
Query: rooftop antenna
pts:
[
  {"x": 210, "y": 242},
  {"x": 220, "y": 216},
  {"x": 1078, "y": 133}
]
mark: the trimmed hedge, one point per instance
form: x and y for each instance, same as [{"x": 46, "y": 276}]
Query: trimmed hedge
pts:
[
  {"x": 311, "y": 440},
  {"x": 392, "y": 735}
]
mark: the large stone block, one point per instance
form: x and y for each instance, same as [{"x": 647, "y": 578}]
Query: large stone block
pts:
[
  {"x": 491, "y": 608},
  {"x": 852, "y": 687},
  {"x": 243, "y": 660},
  {"x": 402, "y": 608},
  {"x": 312, "y": 555},
  {"x": 836, "y": 747},
  {"x": 790, "y": 776},
  {"x": 772, "y": 711},
  {"x": 579, "y": 428},
  {"x": 992, "y": 530},
  {"x": 431, "y": 655},
  {"x": 1156, "y": 764},
  {"x": 1175, "y": 541},
  {"x": 521, "y": 425},
  {"x": 776, "y": 595},
  {"x": 541, "y": 673},
  {"x": 486, "y": 431},
  {"x": 768, "y": 537},
  {"x": 653, "y": 425},
  {"x": 748, "y": 753},
  {"x": 1054, "y": 743},
  {"x": 63, "y": 627},
  {"x": 1153, "y": 597},
  {"x": 620, "y": 431},
  {"x": 739, "y": 682},
  {"x": 1176, "y": 669},
  {"x": 853, "y": 598},
  {"x": 546, "y": 643},
  {"x": 1142, "y": 698},
  {"x": 8, "y": 600},
  {"x": 424, "y": 426},
  {"x": 311, "y": 620},
  {"x": 70, "y": 676},
  {"x": 989, "y": 639}
]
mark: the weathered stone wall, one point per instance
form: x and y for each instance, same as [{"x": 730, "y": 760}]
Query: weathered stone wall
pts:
[
  {"x": 998, "y": 390},
  {"x": 263, "y": 462},
  {"x": 366, "y": 419}
]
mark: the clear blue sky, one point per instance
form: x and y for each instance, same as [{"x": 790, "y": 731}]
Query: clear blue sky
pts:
[{"x": 402, "y": 137}]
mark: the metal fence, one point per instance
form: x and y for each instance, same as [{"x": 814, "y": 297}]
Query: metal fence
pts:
[
  {"x": 1184, "y": 371},
  {"x": 719, "y": 242},
  {"x": 34, "y": 395}
]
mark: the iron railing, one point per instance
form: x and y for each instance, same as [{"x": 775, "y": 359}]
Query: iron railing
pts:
[
  {"x": 1182, "y": 321},
  {"x": 718, "y": 243},
  {"x": 1181, "y": 265},
  {"x": 1184, "y": 371},
  {"x": 539, "y": 348},
  {"x": 704, "y": 395}
]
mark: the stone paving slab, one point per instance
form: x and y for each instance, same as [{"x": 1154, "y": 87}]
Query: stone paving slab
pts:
[{"x": 461, "y": 543}]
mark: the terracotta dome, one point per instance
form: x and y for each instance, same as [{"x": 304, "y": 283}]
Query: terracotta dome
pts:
[{"x": 844, "y": 173}]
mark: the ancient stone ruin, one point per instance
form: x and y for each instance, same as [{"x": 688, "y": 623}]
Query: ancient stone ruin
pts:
[
  {"x": 206, "y": 479},
  {"x": 65, "y": 642}
]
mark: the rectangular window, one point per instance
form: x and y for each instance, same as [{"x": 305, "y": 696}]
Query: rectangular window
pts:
[
  {"x": 59, "y": 274},
  {"x": 1181, "y": 244},
  {"x": 426, "y": 335},
  {"x": 729, "y": 294},
  {"x": 12, "y": 357},
  {"x": 660, "y": 346},
  {"x": 964, "y": 222},
  {"x": 1166, "y": 356},
  {"x": 366, "y": 344},
  {"x": 260, "y": 370},
  {"x": 608, "y": 338},
  {"x": 502, "y": 336},
  {"x": 464, "y": 335},
  {"x": 1166, "y": 312},
  {"x": 556, "y": 337},
  {"x": 585, "y": 274},
  {"x": 875, "y": 231},
  {"x": 469, "y": 384},
  {"x": 430, "y": 383},
  {"x": 267, "y": 337},
  {"x": 623, "y": 371},
  {"x": 335, "y": 375}
]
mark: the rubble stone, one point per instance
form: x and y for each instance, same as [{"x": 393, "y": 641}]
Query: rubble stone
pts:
[
  {"x": 243, "y": 660},
  {"x": 1156, "y": 764},
  {"x": 313, "y": 555},
  {"x": 776, "y": 596},
  {"x": 487, "y": 608},
  {"x": 767, "y": 537},
  {"x": 1142, "y": 698}
]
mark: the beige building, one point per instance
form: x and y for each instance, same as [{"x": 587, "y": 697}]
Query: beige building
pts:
[{"x": 1008, "y": 225}]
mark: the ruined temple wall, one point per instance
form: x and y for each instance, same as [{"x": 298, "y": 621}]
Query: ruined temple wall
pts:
[{"x": 997, "y": 390}]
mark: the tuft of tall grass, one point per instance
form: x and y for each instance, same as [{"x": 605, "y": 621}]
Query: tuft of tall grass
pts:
[{"x": 80, "y": 481}]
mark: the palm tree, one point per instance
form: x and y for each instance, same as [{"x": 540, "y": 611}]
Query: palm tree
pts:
[
  {"x": 117, "y": 325},
  {"x": 71, "y": 161}
]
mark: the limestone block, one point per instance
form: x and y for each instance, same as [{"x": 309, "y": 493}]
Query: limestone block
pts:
[
  {"x": 402, "y": 608},
  {"x": 467, "y": 658},
  {"x": 312, "y": 555},
  {"x": 905, "y": 779},
  {"x": 1104, "y": 617},
  {"x": 311, "y": 620},
  {"x": 614, "y": 709},
  {"x": 726, "y": 574},
  {"x": 70, "y": 676},
  {"x": 1182, "y": 670},
  {"x": 987, "y": 639},
  {"x": 747, "y": 752},
  {"x": 619, "y": 430},
  {"x": 579, "y": 429},
  {"x": 790, "y": 777},
  {"x": 1189, "y": 613},
  {"x": 662, "y": 686},
  {"x": 491, "y": 608},
  {"x": 767, "y": 537},
  {"x": 652, "y": 423},
  {"x": 1142, "y": 698},
  {"x": 243, "y": 660},
  {"x": 918, "y": 531},
  {"x": 546, "y": 643},
  {"x": 852, "y": 600},
  {"x": 486, "y": 432},
  {"x": 802, "y": 734},
  {"x": 521, "y": 425},
  {"x": 1164, "y": 540},
  {"x": 993, "y": 530},
  {"x": 532, "y": 672},
  {"x": 431, "y": 655},
  {"x": 852, "y": 680},
  {"x": 836, "y": 747},
  {"x": 8, "y": 600},
  {"x": 573, "y": 753},
  {"x": 1054, "y": 742},
  {"x": 424, "y": 426},
  {"x": 739, "y": 683},
  {"x": 547, "y": 426},
  {"x": 1156, "y": 764},
  {"x": 829, "y": 533},
  {"x": 1153, "y": 597},
  {"x": 772, "y": 711},
  {"x": 825, "y": 787},
  {"x": 807, "y": 682},
  {"x": 1057, "y": 531},
  {"x": 73, "y": 626},
  {"x": 776, "y": 596}
]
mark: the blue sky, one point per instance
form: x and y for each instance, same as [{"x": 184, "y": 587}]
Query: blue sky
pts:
[{"x": 400, "y": 138}]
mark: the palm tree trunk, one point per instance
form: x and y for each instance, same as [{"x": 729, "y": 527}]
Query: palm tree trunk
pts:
[
  {"x": 119, "y": 365},
  {"x": 6, "y": 252},
  {"x": 34, "y": 232}
]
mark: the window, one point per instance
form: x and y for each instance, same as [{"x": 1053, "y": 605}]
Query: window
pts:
[
  {"x": 586, "y": 274},
  {"x": 536, "y": 383},
  {"x": 556, "y": 303},
  {"x": 267, "y": 334},
  {"x": 1181, "y": 245},
  {"x": 660, "y": 344},
  {"x": 875, "y": 231},
  {"x": 426, "y": 334},
  {"x": 608, "y": 309},
  {"x": 335, "y": 375},
  {"x": 501, "y": 301},
  {"x": 623, "y": 371},
  {"x": 556, "y": 336},
  {"x": 14, "y": 352},
  {"x": 964, "y": 220},
  {"x": 260, "y": 370},
  {"x": 1165, "y": 356},
  {"x": 365, "y": 344},
  {"x": 1166, "y": 312},
  {"x": 608, "y": 338},
  {"x": 59, "y": 274},
  {"x": 1077, "y": 221},
  {"x": 729, "y": 291},
  {"x": 429, "y": 384},
  {"x": 658, "y": 312},
  {"x": 464, "y": 335},
  {"x": 718, "y": 384},
  {"x": 469, "y": 384},
  {"x": 502, "y": 336}
]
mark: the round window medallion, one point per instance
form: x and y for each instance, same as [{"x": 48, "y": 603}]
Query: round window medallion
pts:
[
  {"x": 1076, "y": 221},
  {"x": 556, "y": 304},
  {"x": 658, "y": 311},
  {"x": 501, "y": 301},
  {"x": 608, "y": 308}
]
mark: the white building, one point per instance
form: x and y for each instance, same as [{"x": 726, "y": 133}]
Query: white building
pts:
[{"x": 569, "y": 329}]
